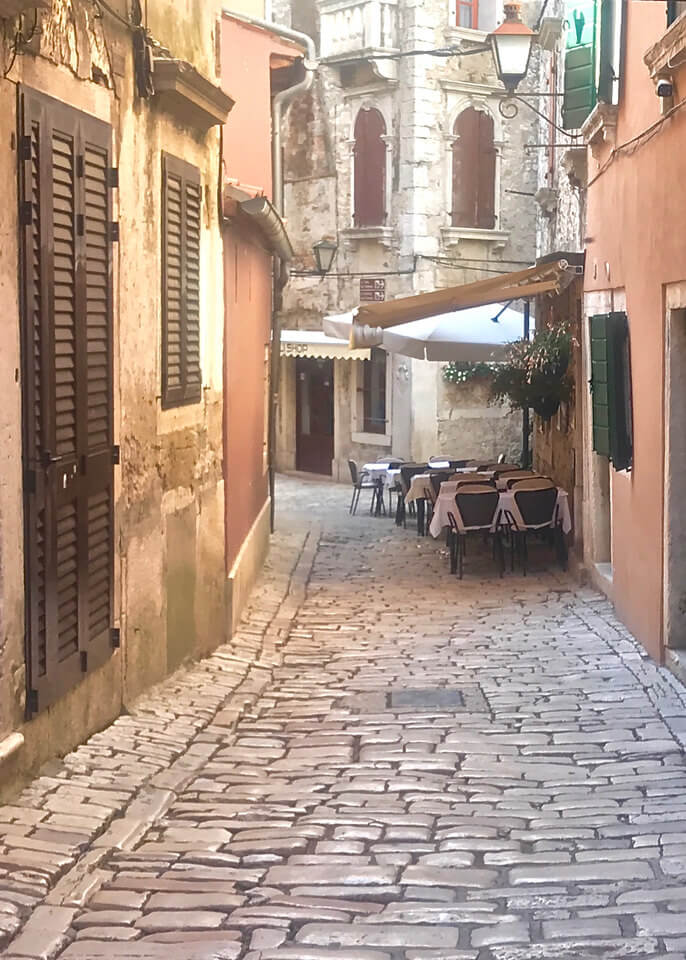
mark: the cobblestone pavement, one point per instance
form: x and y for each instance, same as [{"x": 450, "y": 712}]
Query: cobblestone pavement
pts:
[{"x": 387, "y": 764}]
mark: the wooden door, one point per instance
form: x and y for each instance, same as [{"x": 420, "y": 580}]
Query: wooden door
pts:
[
  {"x": 67, "y": 231},
  {"x": 314, "y": 415}
]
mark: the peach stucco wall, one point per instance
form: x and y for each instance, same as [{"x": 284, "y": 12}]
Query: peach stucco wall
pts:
[
  {"x": 248, "y": 320},
  {"x": 635, "y": 246},
  {"x": 246, "y": 56}
]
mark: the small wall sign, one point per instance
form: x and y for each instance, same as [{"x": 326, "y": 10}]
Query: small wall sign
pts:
[{"x": 372, "y": 289}]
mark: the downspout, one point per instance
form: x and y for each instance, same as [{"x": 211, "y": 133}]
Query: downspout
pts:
[{"x": 280, "y": 271}]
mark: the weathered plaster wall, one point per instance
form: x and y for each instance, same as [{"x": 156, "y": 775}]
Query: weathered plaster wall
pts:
[
  {"x": 471, "y": 427},
  {"x": 169, "y": 488}
]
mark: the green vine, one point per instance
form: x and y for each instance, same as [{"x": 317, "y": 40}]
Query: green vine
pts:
[
  {"x": 462, "y": 371},
  {"x": 533, "y": 373}
]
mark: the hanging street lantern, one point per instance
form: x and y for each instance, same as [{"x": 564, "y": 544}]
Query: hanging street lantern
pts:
[
  {"x": 324, "y": 253},
  {"x": 511, "y": 44}
]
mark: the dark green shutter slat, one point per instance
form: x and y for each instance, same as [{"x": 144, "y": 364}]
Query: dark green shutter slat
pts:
[
  {"x": 599, "y": 385},
  {"x": 611, "y": 388},
  {"x": 579, "y": 86},
  {"x": 606, "y": 47}
]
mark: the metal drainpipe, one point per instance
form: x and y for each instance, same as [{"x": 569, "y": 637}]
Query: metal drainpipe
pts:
[{"x": 281, "y": 270}]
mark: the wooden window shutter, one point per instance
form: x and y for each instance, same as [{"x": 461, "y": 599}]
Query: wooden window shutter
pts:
[
  {"x": 611, "y": 388},
  {"x": 181, "y": 227},
  {"x": 67, "y": 392},
  {"x": 486, "y": 173},
  {"x": 369, "y": 169},
  {"x": 599, "y": 385},
  {"x": 474, "y": 161}
]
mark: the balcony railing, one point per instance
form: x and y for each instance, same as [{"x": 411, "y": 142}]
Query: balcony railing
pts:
[{"x": 350, "y": 27}]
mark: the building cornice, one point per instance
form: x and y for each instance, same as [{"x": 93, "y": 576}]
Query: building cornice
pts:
[
  {"x": 660, "y": 57},
  {"x": 187, "y": 94}
]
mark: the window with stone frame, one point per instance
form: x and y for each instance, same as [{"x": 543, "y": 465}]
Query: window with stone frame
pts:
[
  {"x": 468, "y": 14},
  {"x": 369, "y": 160},
  {"x": 474, "y": 163},
  {"x": 374, "y": 392}
]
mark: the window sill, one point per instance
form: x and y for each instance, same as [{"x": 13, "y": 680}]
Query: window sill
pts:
[
  {"x": 454, "y": 34},
  {"x": 380, "y": 439},
  {"x": 353, "y": 235},
  {"x": 453, "y": 236},
  {"x": 599, "y": 129}
]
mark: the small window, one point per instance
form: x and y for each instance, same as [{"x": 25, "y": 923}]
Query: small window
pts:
[
  {"x": 474, "y": 170},
  {"x": 370, "y": 169},
  {"x": 468, "y": 14},
  {"x": 674, "y": 10},
  {"x": 374, "y": 392},
  {"x": 611, "y": 389},
  {"x": 181, "y": 217}
]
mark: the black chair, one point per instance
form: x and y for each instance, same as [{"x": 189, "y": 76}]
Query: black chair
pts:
[
  {"x": 476, "y": 512},
  {"x": 362, "y": 481},
  {"x": 538, "y": 515},
  {"x": 407, "y": 471}
]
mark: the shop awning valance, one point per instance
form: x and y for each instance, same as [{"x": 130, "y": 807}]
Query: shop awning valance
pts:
[
  {"x": 314, "y": 343},
  {"x": 543, "y": 278}
]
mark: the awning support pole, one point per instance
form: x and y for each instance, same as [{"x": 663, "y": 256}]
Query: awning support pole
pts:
[{"x": 525, "y": 411}]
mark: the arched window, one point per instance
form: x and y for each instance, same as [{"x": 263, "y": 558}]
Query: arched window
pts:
[
  {"x": 473, "y": 170},
  {"x": 370, "y": 169}
]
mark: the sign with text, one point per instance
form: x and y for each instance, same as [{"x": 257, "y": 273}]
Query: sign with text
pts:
[{"x": 372, "y": 290}]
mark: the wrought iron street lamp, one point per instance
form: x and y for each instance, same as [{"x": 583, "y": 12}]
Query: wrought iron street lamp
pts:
[
  {"x": 324, "y": 253},
  {"x": 511, "y": 44}
]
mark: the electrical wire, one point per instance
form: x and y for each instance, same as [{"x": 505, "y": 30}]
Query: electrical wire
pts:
[
  {"x": 113, "y": 13},
  {"x": 636, "y": 141},
  {"x": 572, "y": 136},
  {"x": 19, "y": 38}
]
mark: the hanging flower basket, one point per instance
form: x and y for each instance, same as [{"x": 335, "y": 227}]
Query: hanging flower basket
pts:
[{"x": 534, "y": 373}]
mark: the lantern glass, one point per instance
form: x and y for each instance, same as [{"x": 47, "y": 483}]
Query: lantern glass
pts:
[
  {"x": 511, "y": 52},
  {"x": 324, "y": 253}
]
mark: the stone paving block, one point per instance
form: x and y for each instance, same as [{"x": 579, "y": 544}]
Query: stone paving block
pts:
[{"x": 378, "y": 935}]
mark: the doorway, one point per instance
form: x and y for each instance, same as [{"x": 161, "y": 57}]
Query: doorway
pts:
[
  {"x": 674, "y": 599},
  {"x": 314, "y": 415}
]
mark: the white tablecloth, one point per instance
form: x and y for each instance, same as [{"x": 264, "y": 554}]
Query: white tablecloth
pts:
[
  {"x": 418, "y": 483},
  {"x": 446, "y": 503},
  {"x": 381, "y": 471}
]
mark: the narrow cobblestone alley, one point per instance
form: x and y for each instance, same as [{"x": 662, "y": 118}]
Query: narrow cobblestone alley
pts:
[{"x": 389, "y": 764}]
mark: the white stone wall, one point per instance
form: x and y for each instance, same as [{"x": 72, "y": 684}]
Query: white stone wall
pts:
[{"x": 420, "y": 98}]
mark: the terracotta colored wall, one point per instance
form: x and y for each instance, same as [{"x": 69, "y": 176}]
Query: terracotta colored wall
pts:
[
  {"x": 248, "y": 317},
  {"x": 246, "y": 55},
  {"x": 635, "y": 226}
]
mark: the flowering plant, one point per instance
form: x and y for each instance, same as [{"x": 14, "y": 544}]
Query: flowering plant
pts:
[
  {"x": 463, "y": 371},
  {"x": 534, "y": 372}
]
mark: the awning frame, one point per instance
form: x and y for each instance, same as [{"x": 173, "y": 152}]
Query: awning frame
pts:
[{"x": 521, "y": 284}]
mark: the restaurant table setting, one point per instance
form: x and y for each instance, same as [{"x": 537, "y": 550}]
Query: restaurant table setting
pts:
[{"x": 507, "y": 507}]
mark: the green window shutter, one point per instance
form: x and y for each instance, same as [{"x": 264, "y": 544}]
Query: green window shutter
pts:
[
  {"x": 599, "y": 385},
  {"x": 611, "y": 388},
  {"x": 619, "y": 383},
  {"x": 579, "y": 86},
  {"x": 606, "y": 67}
]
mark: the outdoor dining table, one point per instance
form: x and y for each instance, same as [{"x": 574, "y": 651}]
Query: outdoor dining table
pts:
[
  {"x": 445, "y": 504},
  {"x": 416, "y": 493}
]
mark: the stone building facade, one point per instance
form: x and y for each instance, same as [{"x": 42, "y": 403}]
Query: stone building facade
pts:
[
  {"x": 421, "y": 105},
  {"x": 111, "y": 489}
]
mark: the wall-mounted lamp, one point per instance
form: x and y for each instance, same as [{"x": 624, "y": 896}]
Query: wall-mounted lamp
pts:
[
  {"x": 511, "y": 44},
  {"x": 324, "y": 254}
]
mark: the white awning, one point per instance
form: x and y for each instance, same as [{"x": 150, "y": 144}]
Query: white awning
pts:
[{"x": 315, "y": 343}]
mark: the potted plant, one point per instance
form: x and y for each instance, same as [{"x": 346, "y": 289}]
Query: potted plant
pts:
[{"x": 534, "y": 373}]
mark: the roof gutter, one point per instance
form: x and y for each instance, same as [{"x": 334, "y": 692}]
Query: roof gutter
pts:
[{"x": 270, "y": 225}]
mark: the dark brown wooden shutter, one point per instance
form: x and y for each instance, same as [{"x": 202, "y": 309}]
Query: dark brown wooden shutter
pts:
[
  {"x": 474, "y": 170},
  {"x": 485, "y": 201},
  {"x": 181, "y": 226},
  {"x": 67, "y": 392},
  {"x": 370, "y": 169}
]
